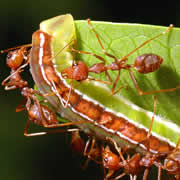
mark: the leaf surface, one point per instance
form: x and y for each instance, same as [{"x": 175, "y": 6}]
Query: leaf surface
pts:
[{"x": 120, "y": 39}]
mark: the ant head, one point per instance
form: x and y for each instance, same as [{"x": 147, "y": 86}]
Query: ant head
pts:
[
  {"x": 78, "y": 71},
  {"x": 172, "y": 162},
  {"x": 110, "y": 159},
  {"x": 15, "y": 58}
]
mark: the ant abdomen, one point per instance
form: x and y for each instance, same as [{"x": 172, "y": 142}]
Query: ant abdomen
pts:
[{"x": 147, "y": 63}]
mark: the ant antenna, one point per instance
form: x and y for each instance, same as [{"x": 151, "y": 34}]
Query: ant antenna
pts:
[
  {"x": 144, "y": 43},
  {"x": 152, "y": 120},
  {"x": 13, "y": 48}
]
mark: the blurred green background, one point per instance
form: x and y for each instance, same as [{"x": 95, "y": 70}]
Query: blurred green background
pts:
[{"x": 49, "y": 157}]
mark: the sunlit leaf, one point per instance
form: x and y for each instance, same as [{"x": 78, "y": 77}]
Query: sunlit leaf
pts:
[{"x": 119, "y": 39}]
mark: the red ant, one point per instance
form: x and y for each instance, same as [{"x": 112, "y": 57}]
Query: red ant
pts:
[
  {"x": 90, "y": 149},
  {"x": 171, "y": 162},
  {"x": 79, "y": 71},
  {"x": 144, "y": 64},
  {"x": 134, "y": 165},
  {"x": 14, "y": 61},
  {"x": 38, "y": 113}
]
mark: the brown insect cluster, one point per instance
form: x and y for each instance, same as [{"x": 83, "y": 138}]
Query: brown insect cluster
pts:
[{"x": 116, "y": 161}]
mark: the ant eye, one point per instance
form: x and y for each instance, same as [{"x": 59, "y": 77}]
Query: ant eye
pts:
[
  {"x": 9, "y": 55},
  {"x": 105, "y": 160}
]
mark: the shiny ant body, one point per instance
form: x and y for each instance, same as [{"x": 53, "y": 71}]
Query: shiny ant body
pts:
[
  {"x": 15, "y": 58},
  {"x": 145, "y": 63},
  {"x": 79, "y": 71}
]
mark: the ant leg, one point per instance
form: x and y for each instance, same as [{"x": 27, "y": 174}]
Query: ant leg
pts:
[
  {"x": 67, "y": 45},
  {"x": 88, "y": 53},
  {"x": 92, "y": 142},
  {"x": 115, "y": 83},
  {"x": 88, "y": 154},
  {"x": 63, "y": 124},
  {"x": 74, "y": 53},
  {"x": 109, "y": 174},
  {"x": 149, "y": 92},
  {"x": 57, "y": 93},
  {"x": 177, "y": 145},
  {"x": 120, "y": 176},
  {"x": 152, "y": 120},
  {"x": 85, "y": 153},
  {"x": 45, "y": 132},
  {"x": 147, "y": 41},
  {"x": 97, "y": 36},
  {"x": 67, "y": 101},
  {"x": 146, "y": 141},
  {"x": 146, "y": 172},
  {"x": 20, "y": 106},
  {"x": 94, "y": 79},
  {"x": 159, "y": 173},
  {"x": 108, "y": 76}
]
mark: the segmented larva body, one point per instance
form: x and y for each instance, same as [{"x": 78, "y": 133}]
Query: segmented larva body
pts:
[
  {"x": 43, "y": 71},
  {"x": 100, "y": 122}
]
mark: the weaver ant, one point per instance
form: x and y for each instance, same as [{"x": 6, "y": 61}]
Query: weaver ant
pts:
[
  {"x": 79, "y": 71},
  {"x": 134, "y": 165},
  {"x": 15, "y": 58},
  {"x": 145, "y": 63},
  {"x": 38, "y": 113}
]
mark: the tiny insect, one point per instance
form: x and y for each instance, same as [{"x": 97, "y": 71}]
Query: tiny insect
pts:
[
  {"x": 79, "y": 71},
  {"x": 15, "y": 58},
  {"x": 145, "y": 63}
]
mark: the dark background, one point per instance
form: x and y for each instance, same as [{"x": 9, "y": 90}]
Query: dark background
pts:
[{"x": 49, "y": 157}]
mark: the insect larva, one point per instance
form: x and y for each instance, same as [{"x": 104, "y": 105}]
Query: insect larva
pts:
[{"x": 99, "y": 122}]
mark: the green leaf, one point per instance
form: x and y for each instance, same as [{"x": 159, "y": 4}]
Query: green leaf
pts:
[{"x": 119, "y": 39}]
